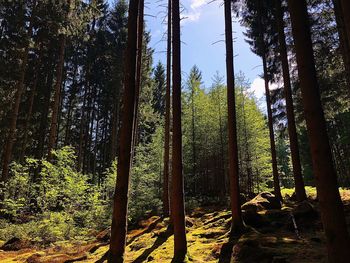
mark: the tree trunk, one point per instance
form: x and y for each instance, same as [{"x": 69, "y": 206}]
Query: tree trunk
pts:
[
  {"x": 276, "y": 181},
  {"x": 293, "y": 138},
  {"x": 331, "y": 207},
  {"x": 177, "y": 197},
  {"x": 138, "y": 69},
  {"x": 344, "y": 42},
  {"x": 11, "y": 135},
  {"x": 31, "y": 104},
  {"x": 57, "y": 95},
  {"x": 165, "y": 196},
  {"x": 237, "y": 223},
  {"x": 120, "y": 205}
]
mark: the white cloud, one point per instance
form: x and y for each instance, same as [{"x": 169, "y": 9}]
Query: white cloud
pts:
[
  {"x": 195, "y": 11},
  {"x": 197, "y": 3},
  {"x": 258, "y": 87}
]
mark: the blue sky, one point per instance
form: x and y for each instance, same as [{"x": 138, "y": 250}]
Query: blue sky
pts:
[{"x": 204, "y": 25}]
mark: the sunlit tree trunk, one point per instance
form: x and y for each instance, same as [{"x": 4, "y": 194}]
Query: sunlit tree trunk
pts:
[
  {"x": 177, "y": 197},
  {"x": 293, "y": 138},
  {"x": 233, "y": 171},
  {"x": 140, "y": 25},
  {"x": 121, "y": 193},
  {"x": 331, "y": 207},
  {"x": 166, "y": 171}
]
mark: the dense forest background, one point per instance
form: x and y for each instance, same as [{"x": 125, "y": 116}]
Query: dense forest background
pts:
[{"x": 61, "y": 84}]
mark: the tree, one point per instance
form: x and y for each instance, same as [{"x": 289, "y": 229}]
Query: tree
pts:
[
  {"x": 166, "y": 171},
  {"x": 120, "y": 204},
  {"x": 293, "y": 138},
  {"x": 332, "y": 213},
  {"x": 57, "y": 88},
  {"x": 177, "y": 197},
  {"x": 233, "y": 172}
]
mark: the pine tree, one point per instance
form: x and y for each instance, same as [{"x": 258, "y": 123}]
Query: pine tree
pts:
[
  {"x": 237, "y": 223},
  {"x": 177, "y": 198}
]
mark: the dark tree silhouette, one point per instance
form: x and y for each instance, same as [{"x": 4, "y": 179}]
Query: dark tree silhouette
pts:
[{"x": 331, "y": 207}]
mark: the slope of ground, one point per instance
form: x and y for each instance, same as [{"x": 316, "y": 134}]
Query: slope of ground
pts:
[{"x": 274, "y": 236}]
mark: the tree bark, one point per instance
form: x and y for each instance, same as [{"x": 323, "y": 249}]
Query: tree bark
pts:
[
  {"x": 331, "y": 207},
  {"x": 165, "y": 196},
  {"x": 293, "y": 137},
  {"x": 177, "y": 198},
  {"x": 120, "y": 204},
  {"x": 233, "y": 171},
  {"x": 276, "y": 181}
]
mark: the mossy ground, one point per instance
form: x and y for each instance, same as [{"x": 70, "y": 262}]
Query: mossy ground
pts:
[{"x": 207, "y": 240}]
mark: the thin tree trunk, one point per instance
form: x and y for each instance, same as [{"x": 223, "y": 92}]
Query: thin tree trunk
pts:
[
  {"x": 276, "y": 181},
  {"x": 293, "y": 137},
  {"x": 57, "y": 96},
  {"x": 331, "y": 207},
  {"x": 177, "y": 197},
  {"x": 165, "y": 196},
  {"x": 7, "y": 155},
  {"x": 138, "y": 69},
  {"x": 237, "y": 223},
  {"x": 120, "y": 205},
  {"x": 194, "y": 157}
]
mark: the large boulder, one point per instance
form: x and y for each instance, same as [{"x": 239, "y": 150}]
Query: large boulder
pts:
[{"x": 263, "y": 201}]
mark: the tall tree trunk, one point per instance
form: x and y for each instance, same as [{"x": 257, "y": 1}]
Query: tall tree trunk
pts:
[
  {"x": 138, "y": 69},
  {"x": 177, "y": 198},
  {"x": 120, "y": 205},
  {"x": 39, "y": 151},
  {"x": 57, "y": 95},
  {"x": 276, "y": 181},
  {"x": 331, "y": 207},
  {"x": 343, "y": 36},
  {"x": 293, "y": 138},
  {"x": 194, "y": 157},
  {"x": 11, "y": 135},
  {"x": 233, "y": 171},
  {"x": 165, "y": 196}
]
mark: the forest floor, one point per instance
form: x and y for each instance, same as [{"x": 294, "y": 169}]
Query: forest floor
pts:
[{"x": 272, "y": 237}]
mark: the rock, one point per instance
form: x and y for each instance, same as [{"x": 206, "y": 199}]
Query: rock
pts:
[
  {"x": 15, "y": 244},
  {"x": 262, "y": 201},
  {"x": 305, "y": 210},
  {"x": 250, "y": 251},
  {"x": 253, "y": 218}
]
